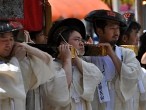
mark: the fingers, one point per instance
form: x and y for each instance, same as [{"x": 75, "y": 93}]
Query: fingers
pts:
[
  {"x": 17, "y": 44},
  {"x": 107, "y": 47},
  {"x": 19, "y": 51},
  {"x": 64, "y": 51},
  {"x": 64, "y": 48}
]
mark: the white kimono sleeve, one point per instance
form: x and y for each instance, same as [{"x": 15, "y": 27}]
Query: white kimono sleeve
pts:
[
  {"x": 55, "y": 92},
  {"x": 36, "y": 72},
  {"x": 143, "y": 95},
  {"x": 11, "y": 80},
  {"x": 130, "y": 72},
  {"x": 91, "y": 78}
]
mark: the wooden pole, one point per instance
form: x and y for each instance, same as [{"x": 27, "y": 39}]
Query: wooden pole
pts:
[
  {"x": 48, "y": 16},
  {"x": 138, "y": 13}
]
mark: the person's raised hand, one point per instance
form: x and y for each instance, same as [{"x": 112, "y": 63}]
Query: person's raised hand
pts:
[
  {"x": 19, "y": 51},
  {"x": 64, "y": 52}
]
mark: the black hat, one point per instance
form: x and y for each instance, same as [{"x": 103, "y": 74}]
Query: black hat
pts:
[
  {"x": 9, "y": 26},
  {"x": 105, "y": 15},
  {"x": 62, "y": 25},
  {"x": 130, "y": 20}
]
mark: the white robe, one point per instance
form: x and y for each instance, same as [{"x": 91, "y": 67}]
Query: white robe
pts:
[
  {"x": 11, "y": 81},
  {"x": 55, "y": 92},
  {"x": 142, "y": 104},
  {"x": 56, "y": 88},
  {"x": 29, "y": 76},
  {"x": 121, "y": 88},
  {"x": 81, "y": 89}
]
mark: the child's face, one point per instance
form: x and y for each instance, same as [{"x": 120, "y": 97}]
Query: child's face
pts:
[
  {"x": 133, "y": 38},
  {"x": 40, "y": 38}
]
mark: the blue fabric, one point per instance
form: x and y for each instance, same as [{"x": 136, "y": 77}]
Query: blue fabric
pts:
[{"x": 1, "y": 62}]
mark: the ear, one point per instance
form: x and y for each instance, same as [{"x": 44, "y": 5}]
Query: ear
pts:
[
  {"x": 124, "y": 38},
  {"x": 99, "y": 31}
]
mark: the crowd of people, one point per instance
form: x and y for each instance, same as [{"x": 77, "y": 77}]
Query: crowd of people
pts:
[{"x": 32, "y": 79}]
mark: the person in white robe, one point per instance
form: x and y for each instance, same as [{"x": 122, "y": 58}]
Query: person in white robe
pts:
[
  {"x": 82, "y": 77},
  {"x": 19, "y": 71},
  {"x": 119, "y": 66},
  {"x": 129, "y": 39},
  {"x": 57, "y": 84}
]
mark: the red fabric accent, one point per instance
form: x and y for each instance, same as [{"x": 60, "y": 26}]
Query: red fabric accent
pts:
[{"x": 33, "y": 15}]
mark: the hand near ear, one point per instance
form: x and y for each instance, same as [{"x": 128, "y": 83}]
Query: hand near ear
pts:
[{"x": 19, "y": 51}]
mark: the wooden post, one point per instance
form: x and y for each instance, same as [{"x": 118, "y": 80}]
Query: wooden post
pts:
[
  {"x": 48, "y": 16},
  {"x": 138, "y": 13}
]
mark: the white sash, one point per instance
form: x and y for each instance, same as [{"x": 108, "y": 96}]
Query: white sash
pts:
[
  {"x": 103, "y": 90},
  {"x": 77, "y": 100},
  {"x": 109, "y": 74}
]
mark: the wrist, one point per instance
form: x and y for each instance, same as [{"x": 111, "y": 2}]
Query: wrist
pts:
[{"x": 68, "y": 60}]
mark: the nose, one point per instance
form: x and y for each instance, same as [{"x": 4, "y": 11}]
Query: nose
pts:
[
  {"x": 9, "y": 44},
  {"x": 117, "y": 32},
  {"x": 137, "y": 39},
  {"x": 81, "y": 43},
  {"x": 117, "y": 29}
]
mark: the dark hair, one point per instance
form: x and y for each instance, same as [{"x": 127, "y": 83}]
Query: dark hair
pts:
[
  {"x": 33, "y": 34},
  {"x": 126, "y": 31},
  {"x": 142, "y": 48},
  {"x": 64, "y": 33},
  {"x": 99, "y": 24},
  {"x": 130, "y": 28}
]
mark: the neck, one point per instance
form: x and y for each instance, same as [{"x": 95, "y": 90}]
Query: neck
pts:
[{"x": 5, "y": 60}]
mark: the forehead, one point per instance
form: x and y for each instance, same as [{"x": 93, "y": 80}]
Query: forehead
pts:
[
  {"x": 112, "y": 23},
  {"x": 75, "y": 34},
  {"x": 6, "y": 35},
  {"x": 134, "y": 30}
]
